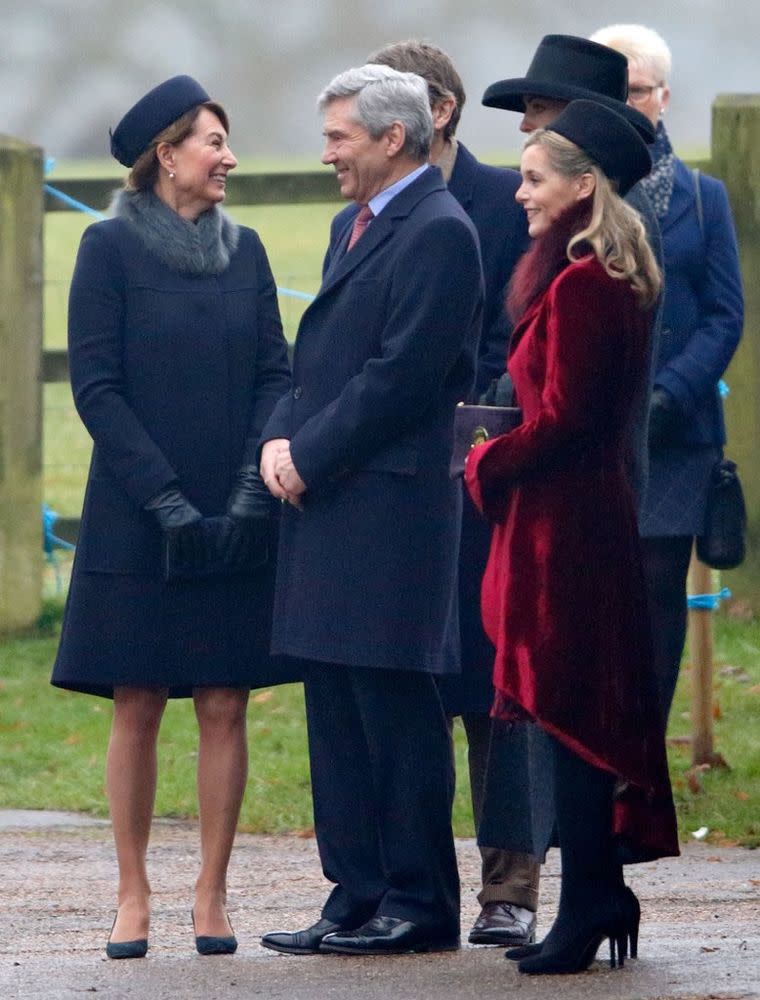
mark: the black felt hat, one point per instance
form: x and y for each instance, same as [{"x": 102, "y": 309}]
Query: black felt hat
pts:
[
  {"x": 152, "y": 114},
  {"x": 568, "y": 68},
  {"x": 609, "y": 140}
]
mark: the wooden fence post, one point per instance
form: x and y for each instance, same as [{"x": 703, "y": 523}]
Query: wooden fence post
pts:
[
  {"x": 21, "y": 217},
  {"x": 701, "y": 656},
  {"x": 736, "y": 160}
]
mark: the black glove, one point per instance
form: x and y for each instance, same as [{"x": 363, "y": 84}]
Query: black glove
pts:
[
  {"x": 180, "y": 523},
  {"x": 249, "y": 511},
  {"x": 665, "y": 418}
]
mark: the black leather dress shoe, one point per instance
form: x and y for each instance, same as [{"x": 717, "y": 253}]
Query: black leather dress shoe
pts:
[
  {"x": 504, "y": 924},
  {"x": 305, "y": 942},
  {"x": 389, "y": 936}
]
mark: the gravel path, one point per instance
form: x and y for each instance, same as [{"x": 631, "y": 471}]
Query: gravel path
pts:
[{"x": 700, "y": 934}]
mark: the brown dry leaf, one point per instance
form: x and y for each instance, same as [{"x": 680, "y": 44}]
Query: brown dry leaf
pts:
[
  {"x": 754, "y": 881},
  {"x": 717, "y": 712},
  {"x": 715, "y": 858},
  {"x": 741, "y": 796},
  {"x": 705, "y": 948},
  {"x": 306, "y": 834},
  {"x": 755, "y": 689},
  {"x": 261, "y": 697}
]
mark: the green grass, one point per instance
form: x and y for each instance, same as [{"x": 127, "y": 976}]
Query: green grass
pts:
[
  {"x": 52, "y": 746},
  {"x": 53, "y": 743}
]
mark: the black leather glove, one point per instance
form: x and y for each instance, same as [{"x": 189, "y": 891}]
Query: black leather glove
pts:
[
  {"x": 249, "y": 510},
  {"x": 180, "y": 523},
  {"x": 665, "y": 418}
]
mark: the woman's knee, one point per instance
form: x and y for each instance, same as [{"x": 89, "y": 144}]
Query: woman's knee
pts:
[
  {"x": 220, "y": 708},
  {"x": 139, "y": 710}
]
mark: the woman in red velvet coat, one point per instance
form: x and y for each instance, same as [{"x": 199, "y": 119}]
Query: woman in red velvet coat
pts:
[{"x": 563, "y": 595}]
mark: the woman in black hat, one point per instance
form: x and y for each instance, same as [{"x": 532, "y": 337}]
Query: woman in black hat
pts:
[
  {"x": 177, "y": 358},
  {"x": 563, "y": 594}
]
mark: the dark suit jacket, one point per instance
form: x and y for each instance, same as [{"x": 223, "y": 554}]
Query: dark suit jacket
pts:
[
  {"x": 367, "y": 572},
  {"x": 487, "y": 194}
]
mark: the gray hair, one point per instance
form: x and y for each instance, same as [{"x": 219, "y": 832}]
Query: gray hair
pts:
[
  {"x": 384, "y": 96},
  {"x": 642, "y": 47}
]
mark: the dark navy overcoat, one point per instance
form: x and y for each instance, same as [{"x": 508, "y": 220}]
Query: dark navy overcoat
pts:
[
  {"x": 702, "y": 322},
  {"x": 367, "y": 571},
  {"x": 487, "y": 194},
  {"x": 174, "y": 375}
]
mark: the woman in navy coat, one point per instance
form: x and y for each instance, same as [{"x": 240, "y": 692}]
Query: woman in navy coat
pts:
[
  {"x": 702, "y": 322},
  {"x": 177, "y": 359}
]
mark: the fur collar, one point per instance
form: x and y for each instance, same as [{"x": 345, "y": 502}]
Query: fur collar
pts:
[
  {"x": 544, "y": 259},
  {"x": 201, "y": 247}
]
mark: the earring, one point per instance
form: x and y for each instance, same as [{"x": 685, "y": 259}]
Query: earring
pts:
[{"x": 171, "y": 175}]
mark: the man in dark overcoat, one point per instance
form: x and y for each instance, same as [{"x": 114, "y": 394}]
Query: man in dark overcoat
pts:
[
  {"x": 366, "y": 592},
  {"x": 509, "y": 891}
]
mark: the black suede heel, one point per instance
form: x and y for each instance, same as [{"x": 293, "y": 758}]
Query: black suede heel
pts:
[
  {"x": 207, "y": 944},
  {"x": 126, "y": 949}
]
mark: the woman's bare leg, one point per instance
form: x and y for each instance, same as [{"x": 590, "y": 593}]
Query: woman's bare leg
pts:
[
  {"x": 131, "y": 768},
  {"x": 222, "y": 775}
]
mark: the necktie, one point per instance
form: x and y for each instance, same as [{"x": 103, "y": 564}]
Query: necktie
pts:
[{"x": 360, "y": 224}]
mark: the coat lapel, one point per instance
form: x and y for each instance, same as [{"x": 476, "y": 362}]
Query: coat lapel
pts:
[{"x": 379, "y": 231}]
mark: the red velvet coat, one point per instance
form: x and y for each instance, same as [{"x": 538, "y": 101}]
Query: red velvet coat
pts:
[{"x": 563, "y": 597}]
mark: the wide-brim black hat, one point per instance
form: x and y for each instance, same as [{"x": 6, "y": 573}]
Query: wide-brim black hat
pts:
[
  {"x": 152, "y": 114},
  {"x": 569, "y": 68},
  {"x": 609, "y": 140}
]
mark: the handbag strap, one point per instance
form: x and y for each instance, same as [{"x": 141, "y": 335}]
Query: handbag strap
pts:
[{"x": 698, "y": 201}]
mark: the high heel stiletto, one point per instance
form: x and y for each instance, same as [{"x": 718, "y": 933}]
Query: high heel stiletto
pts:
[
  {"x": 126, "y": 949},
  {"x": 617, "y": 919},
  {"x": 208, "y": 944}
]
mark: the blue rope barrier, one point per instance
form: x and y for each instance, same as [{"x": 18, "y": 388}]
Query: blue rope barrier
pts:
[
  {"x": 723, "y": 388},
  {"x": 51, "y": 542},
  {"x": 81, "y": 207},
  {"x": 78, "y": 205},
  {"x": 708, "y": 602}
]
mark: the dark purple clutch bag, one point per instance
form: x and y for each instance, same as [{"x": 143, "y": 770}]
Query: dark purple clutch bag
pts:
[{"x": 475, "y": 424}]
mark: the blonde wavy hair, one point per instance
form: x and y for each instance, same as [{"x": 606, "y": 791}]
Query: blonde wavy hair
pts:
[{"x": 615, "y": 231}]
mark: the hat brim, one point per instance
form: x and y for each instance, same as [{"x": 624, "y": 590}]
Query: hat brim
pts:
[{"x": 509, "y": 95}]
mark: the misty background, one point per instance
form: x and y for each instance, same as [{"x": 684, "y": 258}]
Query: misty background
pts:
[{"x": 69, "y": 70}]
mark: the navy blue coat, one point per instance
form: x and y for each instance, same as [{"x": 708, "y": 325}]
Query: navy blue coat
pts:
[
  {"x": 174, "y": 375},
  {"x": 703, "y": 314},
  {"x": 367, "y": 572},
  {"x": 487, "y": 194}
]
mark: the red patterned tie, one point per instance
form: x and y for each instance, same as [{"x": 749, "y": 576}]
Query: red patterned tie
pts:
[{"x": 360, "y": 224}]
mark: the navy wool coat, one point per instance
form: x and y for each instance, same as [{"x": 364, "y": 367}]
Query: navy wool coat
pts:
[
  {"x": 174, "y": 375},
  {"x": 487, "y": 194},
  {"x": 367, "y": 571},
  {"x": 703, "y": 314}
]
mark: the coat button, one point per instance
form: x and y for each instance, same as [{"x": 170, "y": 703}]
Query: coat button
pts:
[{"x": 297, "y": 392}]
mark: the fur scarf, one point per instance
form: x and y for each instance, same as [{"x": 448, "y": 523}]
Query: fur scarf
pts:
[
  {"x": 545, "y": 258},
  {"x": 201, "y": 247}
]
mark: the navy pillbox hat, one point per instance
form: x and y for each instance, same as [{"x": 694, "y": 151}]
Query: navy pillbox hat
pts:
[
  {"x": 611, "y": 141},
  {"x": 152, "y": 114}
]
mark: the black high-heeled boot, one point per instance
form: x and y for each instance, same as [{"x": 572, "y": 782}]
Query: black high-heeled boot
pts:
[
  {"x": 594, "y": 902},
  {"x": 632, "y": 917}
]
